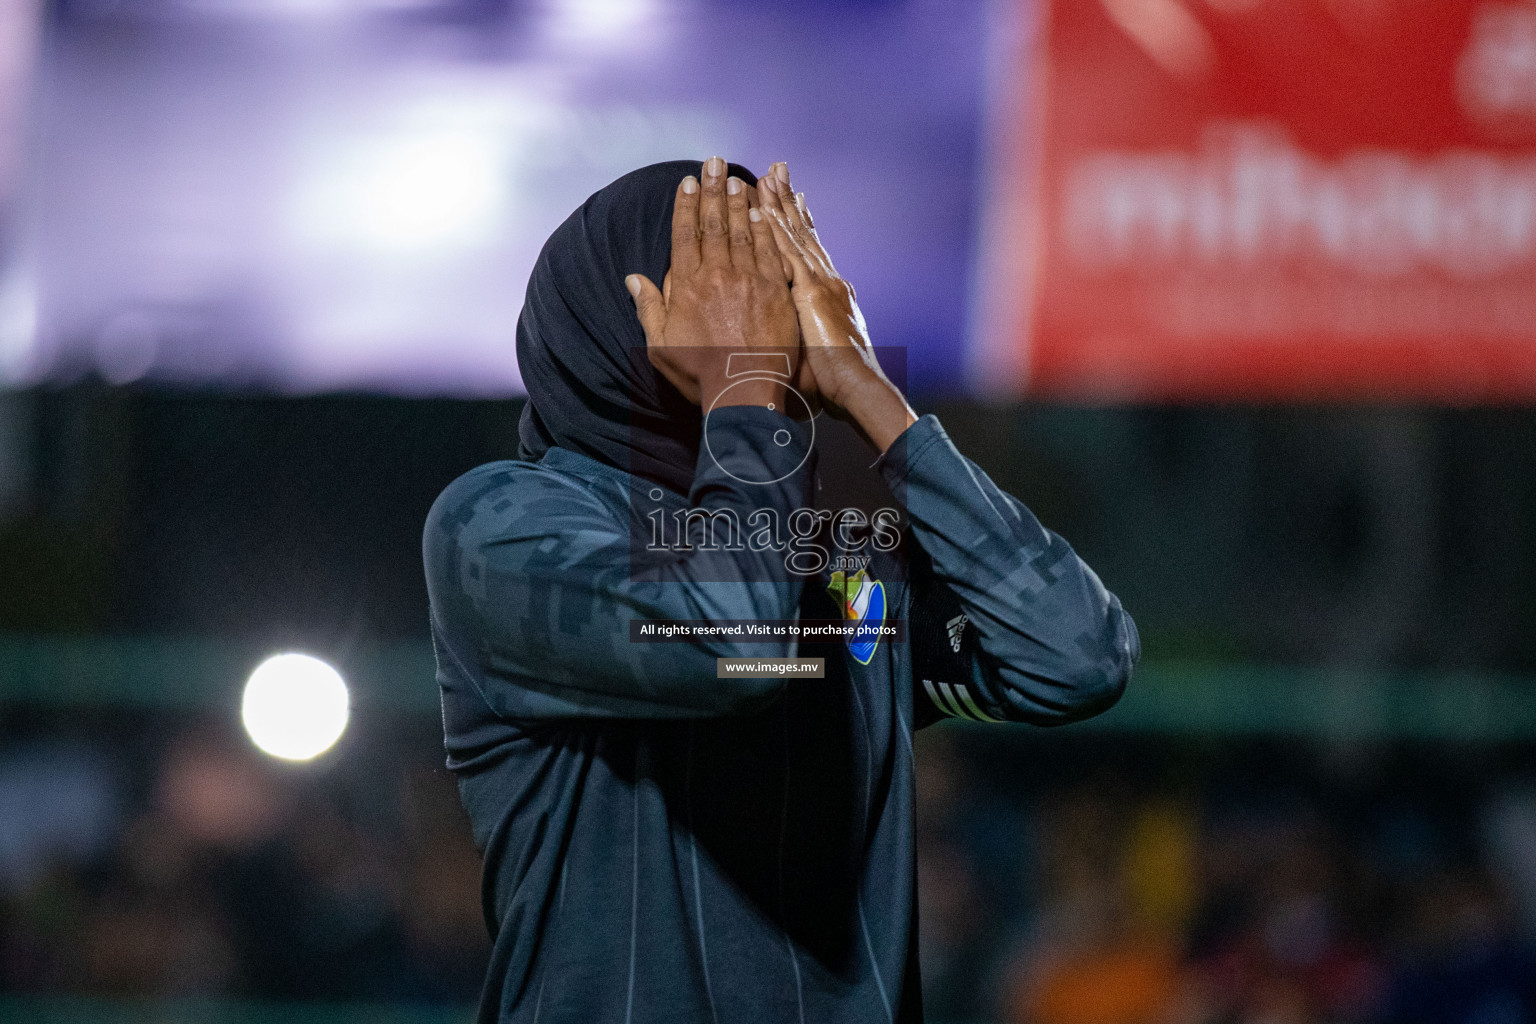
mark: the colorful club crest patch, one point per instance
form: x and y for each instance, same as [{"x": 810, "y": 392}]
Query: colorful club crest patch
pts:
[{"x": 862, "y": 601}]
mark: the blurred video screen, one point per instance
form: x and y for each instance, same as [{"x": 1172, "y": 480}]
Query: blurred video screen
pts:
[{"x": 314, "y": 195}]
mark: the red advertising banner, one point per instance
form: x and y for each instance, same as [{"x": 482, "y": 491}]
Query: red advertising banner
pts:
[{"x": 1279, "y": 199}]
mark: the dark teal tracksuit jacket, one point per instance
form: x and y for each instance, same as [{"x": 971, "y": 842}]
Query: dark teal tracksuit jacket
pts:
[{"x": 665, "y": 846}]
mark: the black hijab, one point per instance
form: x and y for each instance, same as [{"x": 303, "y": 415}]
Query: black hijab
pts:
[{"x": 579, "y": 343}]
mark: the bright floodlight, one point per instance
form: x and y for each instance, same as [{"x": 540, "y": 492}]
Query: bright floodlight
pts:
[
  {"x": 603, "y": 22},
  {"x": 295, "y": 706},
  {"x": 416, "y": 192},
  {"x": 425, "y": 193}
]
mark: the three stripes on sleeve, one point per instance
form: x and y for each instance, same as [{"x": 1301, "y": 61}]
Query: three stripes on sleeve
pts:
[{"x": 956, "y": 700}]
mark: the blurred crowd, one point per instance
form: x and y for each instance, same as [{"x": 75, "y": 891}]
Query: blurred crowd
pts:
[
  {"x": 194, "y": 866},
  {"x": 1137, "y": 883},
  {"x": 1066, "y": 877}
]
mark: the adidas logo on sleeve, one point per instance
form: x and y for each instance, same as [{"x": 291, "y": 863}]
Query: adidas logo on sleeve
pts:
[{"x": 956, "y": 626}]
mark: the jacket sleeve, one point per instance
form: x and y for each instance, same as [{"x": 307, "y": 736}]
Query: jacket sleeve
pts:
[
  {"x": 1006, "y": 622},
  {"x": 534, "y": 582}
]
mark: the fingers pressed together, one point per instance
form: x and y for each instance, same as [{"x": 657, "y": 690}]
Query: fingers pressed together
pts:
[
  {"x": 720, "y": 220},
  {"x": 727, "y": 289},
  {"x": 716, "y": 221},
  {"x": 793, "y": 229}
]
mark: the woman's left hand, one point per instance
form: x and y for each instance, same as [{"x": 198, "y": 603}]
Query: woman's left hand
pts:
[{"x": 838, "y": 351}]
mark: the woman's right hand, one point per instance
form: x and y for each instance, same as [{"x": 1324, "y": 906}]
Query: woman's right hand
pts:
[{"x": 725, "y": 292}]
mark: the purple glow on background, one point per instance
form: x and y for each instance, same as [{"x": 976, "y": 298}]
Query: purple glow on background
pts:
[{"x": 310, "y": 195}]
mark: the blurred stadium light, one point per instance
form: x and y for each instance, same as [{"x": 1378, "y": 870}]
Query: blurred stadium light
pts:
[
  {"x": 413, "y": 196},
  {"x": 294, "y": 707}
]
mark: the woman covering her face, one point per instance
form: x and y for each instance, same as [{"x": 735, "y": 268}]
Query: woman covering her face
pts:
[{"x": 678, "y": 697}]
